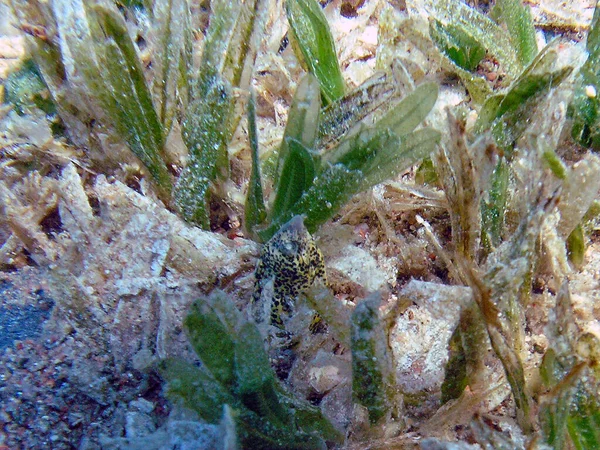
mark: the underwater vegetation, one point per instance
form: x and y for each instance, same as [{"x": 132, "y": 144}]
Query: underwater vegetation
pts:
[{"x": 519, "y": 205}]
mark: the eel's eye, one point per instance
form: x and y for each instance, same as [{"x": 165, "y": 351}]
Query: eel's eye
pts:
[{"x": 289, "y": 248}]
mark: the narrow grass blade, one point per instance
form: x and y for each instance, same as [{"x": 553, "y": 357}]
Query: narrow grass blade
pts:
[
  {"x": 459, "y": 176},
  {"x": 585, "y": 107},
  {"x": 506, "y": 114},
  {"x": 583, "y": 423},
  {"x": 124, "y": 52},
  {"x": 170, "y": 40},
  {"x": 576, "y": 246},
  {"x": 255, "y": 212},
  {"x": 303, "y": 119},
  {"x": 256, "y": 380},
  {"x": 481, "y": 28},
  {"x": 196, "y": 388},
  {"x": 25, "y": 88},
  {"x": 464, "y": 50},
  {"x": 212, "y": 343},
  {"x": 227, "y": 43},
  {"x": 455, "y": 371},
  {"x": 242, "y": 47},
  {"x": 555, "y": 164},
  {"x": 494, "y": 208},
  {"x": 96, "y": 46}
]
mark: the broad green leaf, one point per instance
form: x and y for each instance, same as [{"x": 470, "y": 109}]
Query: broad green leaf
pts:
[
  {"x": 198, "y": 390},
  {"x": 400, "y": 155},
  {"x": 297, "y": 176},
  {"x": 257, "y": 432},
  {"x": 253, "y": 371},
  {"x": 266, "y": 415},
  {"x": 311, "y": 420},
  {"x": 357, "y": 149},
  {"x": 481, "y": 28},
  {"x": 308, "y": 418},
  {"x": 310, "y": 34},
  {"x": 212, "y": 343},
  {"x": 583, "y": 423},
  {"x": 256, "y": 380},
  {"x": 465, "y": 51},
  {"x": 411, "y": 111},
  {"x": 519, "y": 22},
  {"x": 527, "y": 87},
  {"x": 255, "y": 211},
  {"x": 344, "y": 114},
  {"x": 330, "y": 191},
  {"x": 303, "y": 119},
  {"x": 336, "y": 185},
  {"x": 205, "y": 132},
  {"x": 372, "y": 375},
  {"x": 373, "y": 154}
]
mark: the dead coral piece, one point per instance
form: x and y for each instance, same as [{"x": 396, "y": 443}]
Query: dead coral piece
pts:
[
  {"x": 104, "y": 276},
  {"x": 23, "y": 213}
]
